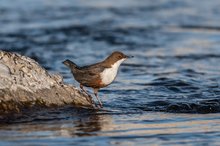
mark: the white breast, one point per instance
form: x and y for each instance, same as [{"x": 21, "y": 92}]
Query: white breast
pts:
[{"x": 109, "y": 74}]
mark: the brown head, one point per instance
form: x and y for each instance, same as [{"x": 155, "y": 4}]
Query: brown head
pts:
[{"x": 116, "y": 56}]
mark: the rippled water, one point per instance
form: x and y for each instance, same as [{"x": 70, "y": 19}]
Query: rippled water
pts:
[{"x": 169, "y": 94}]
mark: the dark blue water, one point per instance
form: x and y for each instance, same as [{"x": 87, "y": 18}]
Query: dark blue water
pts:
[{"x": 168, "y": 94}]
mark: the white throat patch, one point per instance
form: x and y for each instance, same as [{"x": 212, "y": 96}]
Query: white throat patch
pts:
[{"x": 109, "y": 74}]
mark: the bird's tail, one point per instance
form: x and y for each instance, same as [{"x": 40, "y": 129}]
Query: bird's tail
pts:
[{"x": 70, "y": 64}]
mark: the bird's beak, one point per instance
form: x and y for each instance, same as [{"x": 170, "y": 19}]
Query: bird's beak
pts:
[{"x": 129, "y": 56}]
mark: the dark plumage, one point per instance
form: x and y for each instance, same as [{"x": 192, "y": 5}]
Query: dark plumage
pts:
[{"x": 96, "y": 75}]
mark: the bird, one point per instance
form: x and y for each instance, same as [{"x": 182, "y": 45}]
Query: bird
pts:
[{"x": 98, "y": 75}]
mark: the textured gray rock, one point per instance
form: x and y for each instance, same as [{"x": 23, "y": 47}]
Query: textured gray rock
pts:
[{"x": 24, "y": 83}]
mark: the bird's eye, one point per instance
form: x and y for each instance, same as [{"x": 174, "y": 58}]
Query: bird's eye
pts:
[{"x": 119, "y": 57}]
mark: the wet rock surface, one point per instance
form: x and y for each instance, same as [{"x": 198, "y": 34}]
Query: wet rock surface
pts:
[{"x": 25, "y": 84}]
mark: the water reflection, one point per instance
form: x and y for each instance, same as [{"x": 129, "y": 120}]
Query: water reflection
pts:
[
  {"x": 66, "y": 122},
  {"x": 116, "y": 129}
]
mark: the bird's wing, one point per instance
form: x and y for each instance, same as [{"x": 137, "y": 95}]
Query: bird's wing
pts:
[
  {"x": 93, "y": 69},
  {"x": 90, "y": 75}
]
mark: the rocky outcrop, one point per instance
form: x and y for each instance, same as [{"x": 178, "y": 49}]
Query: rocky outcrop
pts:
[{"x": 24, "y": 83}]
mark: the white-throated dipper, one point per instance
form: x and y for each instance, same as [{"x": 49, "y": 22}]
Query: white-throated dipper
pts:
[{"x": 97, "y": 75}]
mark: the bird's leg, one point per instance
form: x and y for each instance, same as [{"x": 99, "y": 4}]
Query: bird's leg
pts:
[
  {"x": 96, "y": 95},
  {"x": 81, "y": 86}
]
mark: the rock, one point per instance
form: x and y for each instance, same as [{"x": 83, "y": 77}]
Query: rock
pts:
[{"x": 24, "y": 83}]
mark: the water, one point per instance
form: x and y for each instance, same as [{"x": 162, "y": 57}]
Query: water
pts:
[{"x": 168, "y": 94}]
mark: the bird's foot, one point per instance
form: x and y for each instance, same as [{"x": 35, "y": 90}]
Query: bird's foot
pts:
[
  {"x": 99, "y": 106},
  {"x": 88, "y": 96},
  {"x": 89, "y": 99}
]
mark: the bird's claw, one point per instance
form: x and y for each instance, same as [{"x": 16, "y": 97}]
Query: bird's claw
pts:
[{"x": 99, "y": 106}]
